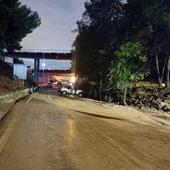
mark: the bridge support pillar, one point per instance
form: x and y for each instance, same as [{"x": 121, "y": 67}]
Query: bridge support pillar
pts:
[{"x": 36, "y": 69}]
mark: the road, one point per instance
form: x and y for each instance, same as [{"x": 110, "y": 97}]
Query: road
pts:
[{"x": 47, "y": 132}]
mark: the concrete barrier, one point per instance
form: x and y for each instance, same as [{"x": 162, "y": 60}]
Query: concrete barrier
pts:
[
  {"x": 14, "y": 96},
  {"x": 8, "y": 101}
]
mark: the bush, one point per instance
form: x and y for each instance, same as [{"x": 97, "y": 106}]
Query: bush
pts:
[{"x": 11, "y": 85}]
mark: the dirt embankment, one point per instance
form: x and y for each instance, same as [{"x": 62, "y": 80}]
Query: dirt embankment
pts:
[
  {"x": 5, "y": 69},
  {"x": 110, "y": 110},
  {"x": 6, "y": 72}
]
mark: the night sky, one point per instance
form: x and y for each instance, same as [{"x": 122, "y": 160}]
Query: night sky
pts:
[
  {"x": 55, "y": 33},
  {"x": 58, "y": 20}
]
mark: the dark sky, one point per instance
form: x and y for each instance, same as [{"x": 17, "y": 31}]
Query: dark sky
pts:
[{"x": 58, "y": 20}]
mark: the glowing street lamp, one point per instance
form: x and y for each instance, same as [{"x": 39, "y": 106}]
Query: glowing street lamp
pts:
[{"x": 43, "y": 65}]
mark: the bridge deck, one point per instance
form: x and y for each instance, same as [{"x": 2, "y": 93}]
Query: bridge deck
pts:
[{"x": 40, "y": 55}]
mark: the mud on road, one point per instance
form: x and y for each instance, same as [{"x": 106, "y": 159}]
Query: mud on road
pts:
[{"x": 54, "y": 133}]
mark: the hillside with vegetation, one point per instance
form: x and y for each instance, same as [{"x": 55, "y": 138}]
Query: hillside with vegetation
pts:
[
  {"x": 5, "y": 74},
  {"x": 16, "y": 22},
  {"x": 122, "y": 43},
  {"x": 7, "y": 84}
]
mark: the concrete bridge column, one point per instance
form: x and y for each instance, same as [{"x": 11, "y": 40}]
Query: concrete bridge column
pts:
[{"x": 36, "y": 69}]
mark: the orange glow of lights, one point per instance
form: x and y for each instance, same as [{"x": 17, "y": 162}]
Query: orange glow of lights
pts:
[{"x": 73, "y": 79}]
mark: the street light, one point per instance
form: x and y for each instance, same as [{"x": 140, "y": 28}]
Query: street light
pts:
[{"x": 43, "y": 65}]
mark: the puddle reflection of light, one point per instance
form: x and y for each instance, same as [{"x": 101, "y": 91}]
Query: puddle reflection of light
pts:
[{"x": 70, "y": 128}]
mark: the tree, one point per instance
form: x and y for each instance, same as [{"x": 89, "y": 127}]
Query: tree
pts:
[
  {"x": 106, "y": 26},
  {"x": 94, "y": 44},
  {"x": 16, "y": 21},
  {"x": 158, "y": 17},
  {"x": 149, "y": 23},
  {"x": 128, "y": 67}
]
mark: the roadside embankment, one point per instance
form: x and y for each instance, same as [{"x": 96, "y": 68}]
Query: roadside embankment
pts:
[
  {"x": 7, "y": 101},
  {"x": 110, "y": 111},
  {"x": 135, "y": 114}
]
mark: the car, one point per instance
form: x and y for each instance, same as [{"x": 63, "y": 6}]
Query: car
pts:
[
  {"x": 56, "y": 85},
  {"x": 71, "y": 90}
]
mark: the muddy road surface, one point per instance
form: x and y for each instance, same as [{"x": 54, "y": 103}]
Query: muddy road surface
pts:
[{"x": 47, "y": 132}]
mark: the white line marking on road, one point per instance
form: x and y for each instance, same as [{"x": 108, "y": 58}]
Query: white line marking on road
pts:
[{"x": 29, "y": 99}]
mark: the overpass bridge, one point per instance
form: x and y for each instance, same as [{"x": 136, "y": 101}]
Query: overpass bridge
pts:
[{"x": 37, "y": 56}]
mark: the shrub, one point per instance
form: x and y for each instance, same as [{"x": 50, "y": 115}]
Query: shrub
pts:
[{"x": 11, "y": 85}]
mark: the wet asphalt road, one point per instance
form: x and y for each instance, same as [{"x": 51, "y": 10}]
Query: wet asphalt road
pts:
[{"x": 45, "y": 133}]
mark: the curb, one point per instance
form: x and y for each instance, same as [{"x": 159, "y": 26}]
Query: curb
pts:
[
  {"x": 11, "y": 99},
  {"x": 10, "y": 109}
]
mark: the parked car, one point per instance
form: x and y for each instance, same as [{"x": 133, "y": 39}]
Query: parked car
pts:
[{"x": 71, "y": 90}]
